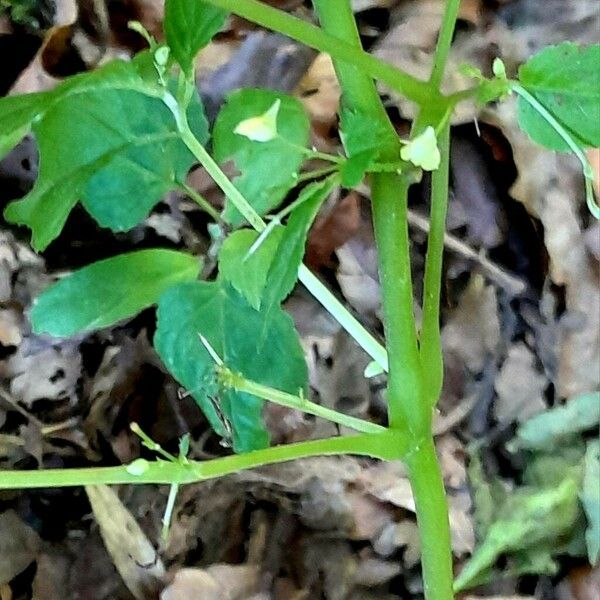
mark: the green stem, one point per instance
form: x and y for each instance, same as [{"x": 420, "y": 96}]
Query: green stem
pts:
[
  {"x": 384, "y": 446},
  {"x": 344, "y": 317},
  {"x": 432, "y": 519},
  {"x": 431, "y": 344},
  {"x": 389, "y": 195},
  {"x": 168, "y": 514},
  {"x": 308, "y": 175},
  {"x": 443, "y": 44},
  {"x": 241, "y": 384},
  {"x": 358, "y": 90},
  {"x": 213, "y": 169},
  {"x": 301, "y": 31},
  {"x": 408, "y": 406},
  {"x": 388, "y": 198},
  {"x": 202, "y": 202}
]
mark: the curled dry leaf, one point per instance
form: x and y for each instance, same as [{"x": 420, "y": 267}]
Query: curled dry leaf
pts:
[{"x": 132, "y": 553}]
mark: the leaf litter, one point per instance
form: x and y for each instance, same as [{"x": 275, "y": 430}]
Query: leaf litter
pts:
[{"x": 334, "y": 528}]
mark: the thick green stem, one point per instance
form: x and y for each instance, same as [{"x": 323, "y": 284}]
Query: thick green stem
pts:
[
  {"x": 432, "y": 519},
  {"x": 327, "y": 41},
  {"x": 385, "y": 446},
  {"x": 359, "y": 93},
  {"x": 405, "y": 388},
  {"x": 409, "y": 408},
  {"x": 431, "y": 344},
  {"x": 388, "y": 196}
]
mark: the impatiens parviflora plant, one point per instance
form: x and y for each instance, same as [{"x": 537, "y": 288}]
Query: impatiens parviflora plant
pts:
[{"x": 130, "y": 132}]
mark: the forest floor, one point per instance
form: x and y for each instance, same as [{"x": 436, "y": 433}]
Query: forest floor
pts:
[{"x": 521, "y": 336}]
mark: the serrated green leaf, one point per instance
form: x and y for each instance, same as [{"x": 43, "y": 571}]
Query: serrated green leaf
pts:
[
  {"x": 550, "y": 428},
  {"x": 189, "y": 26},
  {"x": 565, "y": 79},
  {"x": 247, "y": 273},
  {"x": 110, "y": 290},
  {"x": 363, "y": 139},
  {"x": 103, "y": 140},
  {"x": 266, "y": 275},
  {"x": 354, "y": 169},
  {"x": 266, "y": 352},
  {"x": 16, "y": 115},
  {"x": 283, "y": 273},
  {"x": 268, "y": 169},
  {"x": 530, "y": 519},
  {"x": 359, "y": 133},
  {"x": 590, "y": 498}
]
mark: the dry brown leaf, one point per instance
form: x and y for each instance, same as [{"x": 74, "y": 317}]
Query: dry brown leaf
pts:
[
  {"x": 5, "y": 25},
  {"x": 357, "y": 275},
  {"x": 400, "y": 535},
  {"x": 339, "y": 376},
  {"x": 132, "y": 553},
  {"x": 388, "y": 482},
  {"x": 214, "y": 56},
  {"x": 19, "y": 545},
  {"x": 452, "y": 458},
  {"x": 218, "y": 582},
  {"x": 472, "y": 331},
  {"x": 333, "y": 230},
  {"x": 11, "y": 325},
  {"x": 51, "y": 577},
  {"x": 34, "y": 78},
  {"x": 372, "y": 572},
  {"x": 520, "y": 386},
  {"x": 49, "y": 374},
  {"x": 583, "y": 583},
  {"x": 550, "y": 186},
  {"x": 320, "y": 91},
  {"x": 370, "y": 516}
]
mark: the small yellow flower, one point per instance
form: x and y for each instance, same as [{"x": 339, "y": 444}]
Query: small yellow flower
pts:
[{"x": 262, "y": 128}]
